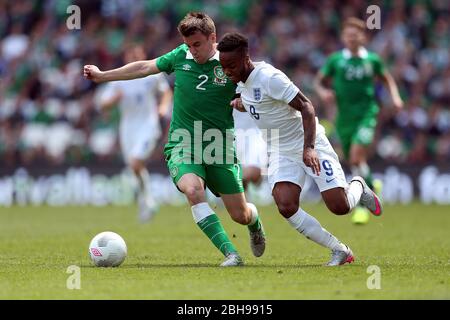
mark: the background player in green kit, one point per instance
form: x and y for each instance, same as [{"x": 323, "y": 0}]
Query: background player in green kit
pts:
[
  {"x": 202, "y": 111},
  {"x": 353, "y": 71}
]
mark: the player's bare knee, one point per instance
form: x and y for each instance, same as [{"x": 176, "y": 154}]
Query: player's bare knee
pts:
[
  {"x": 136, "y": 166},
  {"x": 241, "y": 215},
  {"x": 241, "y": 219},
  {"x": 252, "y": 175},
  {"x": 287, "y": 208},
  {"x": 194, "y": 192},
  {"x": 338, "y": 208},
  {"x": 255, "y": 179},
  {"x": 354, "y": 161}
]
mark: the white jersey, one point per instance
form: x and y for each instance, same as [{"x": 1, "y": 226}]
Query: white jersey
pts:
[
  {"x": 244, "y": 121},
  {"x": 266, "y": 95},
  {"x": 139, "y": 128},
  {"x": 250, "y": 146},
  {"x": 138, "y": 106}
]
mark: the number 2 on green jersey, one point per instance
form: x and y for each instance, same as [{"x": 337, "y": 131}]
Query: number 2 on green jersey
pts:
[{"x": 199, "y": 86}]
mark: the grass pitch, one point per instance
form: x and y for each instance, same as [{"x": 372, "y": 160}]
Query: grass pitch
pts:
[{"x": 170, "y": 258}]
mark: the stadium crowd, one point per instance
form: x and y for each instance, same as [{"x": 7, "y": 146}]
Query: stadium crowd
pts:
[{"x": 49, "y": 114}]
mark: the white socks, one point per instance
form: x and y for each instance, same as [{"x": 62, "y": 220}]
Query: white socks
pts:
[
  {"x": 254, "y": 212},
  {"x": 311, "y": 228},
  {"x": 143, "y": 181},
  {"x": 144, "y": 186},
  {"x": 200, "y": 211},
  {"x": 354, "y": 192}
]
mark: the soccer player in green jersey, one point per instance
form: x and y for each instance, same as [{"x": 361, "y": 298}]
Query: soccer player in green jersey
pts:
[
  {"x": 201, "y": 114},
  {"x": 353, "y": 71}
]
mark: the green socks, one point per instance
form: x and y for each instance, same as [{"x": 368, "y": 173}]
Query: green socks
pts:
[
  {"x": 214, "y": 230},
  {"x": 210, "y": 224}
]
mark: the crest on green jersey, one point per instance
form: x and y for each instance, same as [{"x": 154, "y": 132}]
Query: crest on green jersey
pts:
[
  {"x": 218, "y": 72},
  {"x": 174, "y": 171}
]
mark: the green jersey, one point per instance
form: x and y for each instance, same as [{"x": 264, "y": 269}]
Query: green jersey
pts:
[
  {"x": 202, "y": 92},
  {"x": 202, "y": 96},
  {"x": 353, "y": 81}
]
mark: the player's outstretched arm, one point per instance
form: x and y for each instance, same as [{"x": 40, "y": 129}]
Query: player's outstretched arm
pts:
[
  {"x": 388, "y": 79},
  {"x": 325, "y": 94},
  {"x": 304, "y": 105},
  {"x": 133, "y": 70}
]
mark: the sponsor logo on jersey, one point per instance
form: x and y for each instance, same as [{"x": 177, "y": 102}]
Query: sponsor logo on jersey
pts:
[
  {"x": 257, "y": 94},
  {"x": 219, "y": 76},
  {"x": 186, "y": 67}
]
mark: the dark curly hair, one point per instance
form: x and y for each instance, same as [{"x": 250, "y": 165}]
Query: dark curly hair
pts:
[{"x": 233, "y": 41}]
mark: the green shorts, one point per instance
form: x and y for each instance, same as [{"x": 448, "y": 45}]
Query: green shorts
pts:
[
  {"x": 219, "y": 178},
  {"x": 361, "y": 132}
]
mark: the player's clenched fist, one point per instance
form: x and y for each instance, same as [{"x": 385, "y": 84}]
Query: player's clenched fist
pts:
[
  {"x": 92, "y": 72},
  {"x": 237, "y": 104}
]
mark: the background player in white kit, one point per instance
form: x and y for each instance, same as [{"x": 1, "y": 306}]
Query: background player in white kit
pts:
[
  {"x": 139, "y": 129},
  {"x": 251, "y": 151},
  {"x": 297, "y": 149},
  {"x": 250, "y": 148}
]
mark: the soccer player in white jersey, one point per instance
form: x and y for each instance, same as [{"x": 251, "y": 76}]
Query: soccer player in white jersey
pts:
[
  {"x": 139, "y": 128},
  {"x": 297, "y": 146},
  {"x": 250, "y": 148}
]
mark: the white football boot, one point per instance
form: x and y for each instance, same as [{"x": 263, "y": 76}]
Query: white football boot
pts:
[
  {"x": 368, "y": 198},
  {"x": 232, "y": 260},
  {"x": 339, "y": 257},
  {"x": 147, "y": 208}
]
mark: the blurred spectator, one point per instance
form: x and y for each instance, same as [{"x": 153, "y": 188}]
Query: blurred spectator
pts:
[{"x": 47, "y": 109}]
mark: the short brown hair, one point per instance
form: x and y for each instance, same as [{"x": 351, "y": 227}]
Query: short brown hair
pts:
[
  {"x": 196, "y": 22},
  {"x": 354, "y": 23}
]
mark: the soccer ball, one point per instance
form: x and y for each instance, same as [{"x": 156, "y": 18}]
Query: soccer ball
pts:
[{"x": 107, "y": 249}]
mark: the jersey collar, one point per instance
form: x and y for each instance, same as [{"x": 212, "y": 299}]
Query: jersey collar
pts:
[
  {"x": 362, "y": 53},
  {"x": 214, "y": 57},
  {"x": 252, "y": 74}
]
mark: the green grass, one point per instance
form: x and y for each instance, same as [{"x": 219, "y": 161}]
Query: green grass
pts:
[{"x": 171, "y": 259}]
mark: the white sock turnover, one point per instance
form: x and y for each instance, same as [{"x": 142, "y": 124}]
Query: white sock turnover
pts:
[
  {"x": 311, "y": 229},
  {"x": 254, "y": 212},
  {"x": 200, "y": 211},
  {"x": 354, "y": 192}
]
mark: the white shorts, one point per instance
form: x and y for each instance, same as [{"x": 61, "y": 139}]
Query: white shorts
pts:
[
  {"x": 251, "y": 149},
  {"x": 284, "y": 168},
  {"x": 138, "y": 145}
]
